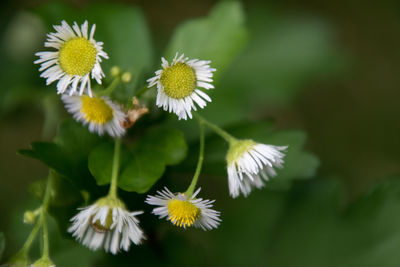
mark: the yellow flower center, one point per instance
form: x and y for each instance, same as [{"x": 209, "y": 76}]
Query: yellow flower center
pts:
[
  {"x": 95, "y": 109},
  {"x": 237, "y": 149},
  {"x": 178, "y": 80},
  {"x": 102, "y": 228},
  {"x": 182, "y": 213},
  {"x": 77, "y": 56}
]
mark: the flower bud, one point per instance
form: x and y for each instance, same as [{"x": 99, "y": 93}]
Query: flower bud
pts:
[
  {"x": 29, "y": 217},
  {"x": 126, "y": 77},
  {"x": 115, "y": 71}
]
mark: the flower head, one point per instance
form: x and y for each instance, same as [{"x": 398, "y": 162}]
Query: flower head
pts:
[
  {"x": 100, "y": 113},
  {"x": 178, "y": 84},
  {"x": 185, "y": 211},
  {"x": 77, "y": 55},
  {"x": 107, "y": 223},
  {"x": 248, "y": 162}
]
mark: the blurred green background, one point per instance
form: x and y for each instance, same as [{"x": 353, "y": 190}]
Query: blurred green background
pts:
[{"x": 325, "y": 71}]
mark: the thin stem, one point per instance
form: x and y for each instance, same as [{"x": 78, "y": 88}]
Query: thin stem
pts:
[
  {"x": 115, "y": 168},
  {"x": 190, "y": 190},
  {"x": 225, "y": 135},
  {"x": 45, "y": 205},
  {"x": 45, "y": 237},
  {"x": 142, "y": 91},
  {"x": 31, "y": 237},
  {"x": 110, "y": 88},
  {"x": 40, "y": 222}
]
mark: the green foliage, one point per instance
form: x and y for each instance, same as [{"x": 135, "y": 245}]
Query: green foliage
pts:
[
  {"x": 142, "y": 172},
  {"x": 80, "y": 156},
  {"x": 101, "y": 161},
  {"x": 68, "y": 154},
  {"x": 217, "y": 37},
  {"x": 143, "y": 163},
  {"x": 284, "y": 54},
  {"x": 168, "y": 143},
  {"x": 319, "y": 233}
]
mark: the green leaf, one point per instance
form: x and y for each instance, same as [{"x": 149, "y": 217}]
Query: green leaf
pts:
[
  {"x": 51, "y": 155},
  {"x": 101, "y": 161},
  {"x": 168, "y": 143},
  {"x": 153, "y": 151},
  {"x": 142, "y": 172},
  {"x": 218, "y": 37},
  {"x": 75, "y": 139},
  {"x": 2, "y": 244},
  {"x": 69, "y": 154}
]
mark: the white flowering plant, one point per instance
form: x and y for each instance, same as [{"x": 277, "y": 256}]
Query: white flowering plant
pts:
[{"x": 133, "y": 135}]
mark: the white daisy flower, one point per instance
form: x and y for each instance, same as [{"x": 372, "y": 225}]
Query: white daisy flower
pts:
[
  {"x": 248, "y": 162},
  {"x": 107, "y": 223},
  {"x": 178, "y": 85},
  {"x": 77, "y": 55},
  {"x": 100, "y": 113},
  {"x": 184, "y": 211}
]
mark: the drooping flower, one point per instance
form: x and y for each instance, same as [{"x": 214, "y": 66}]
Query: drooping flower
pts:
[
  {"x": 185, "y": 211},
  {"x": 100, "y": 113},
  {"x": 248, "y": 163},
  {"x": 107, "y": 223},
  {"x": 77, "y": 56},
  {"x": 178, "y": 85}
]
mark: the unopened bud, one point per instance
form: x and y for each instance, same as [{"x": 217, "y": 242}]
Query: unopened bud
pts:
[
  {"x": 126, "y": 77},
  {"x": 29, "y": 217},
  {"x": 115, "y": 71}
]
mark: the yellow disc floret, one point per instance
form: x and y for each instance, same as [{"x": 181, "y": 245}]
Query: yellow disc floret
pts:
[
  {"x": 77, "y": 56},
  {"x": 179, "y": 80},
  {"x": 182, "y": 213},
  {"x": 96, "y": 110}
]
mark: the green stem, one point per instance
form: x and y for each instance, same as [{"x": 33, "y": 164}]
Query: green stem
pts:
[
  {"x": 225, "y": 135},
  {"x": 190, "y": 190},
  {"x": 108, "y": 91},
  {"x": 45, "y": 205},
  {"x": 115, "y": 168},
  {"x": 142, "y": 91},
  {"x": 41, "y": 221},
  {"x": 31, "y": 238}
]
